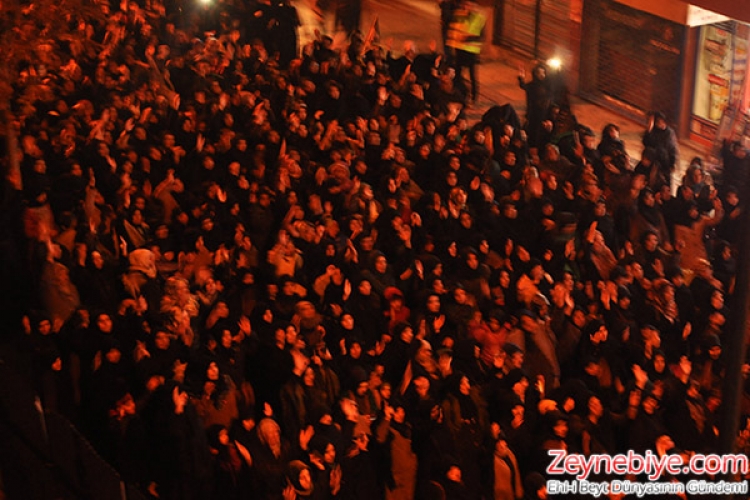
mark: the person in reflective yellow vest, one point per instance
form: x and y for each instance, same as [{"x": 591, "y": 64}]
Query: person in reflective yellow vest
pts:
[{"x": 465, "y": 37}]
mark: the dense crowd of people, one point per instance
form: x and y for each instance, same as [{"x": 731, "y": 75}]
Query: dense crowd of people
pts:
[{"x": 257, "y": 271}]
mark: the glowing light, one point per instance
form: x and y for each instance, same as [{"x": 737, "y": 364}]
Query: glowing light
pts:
[{"x": 554, "y": 63}]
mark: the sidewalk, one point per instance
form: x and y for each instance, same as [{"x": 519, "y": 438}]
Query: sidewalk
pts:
[{"x": 498, "y": 79}]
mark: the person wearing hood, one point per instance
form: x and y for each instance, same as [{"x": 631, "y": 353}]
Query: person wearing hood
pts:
[
  {"x": 110, "y": 377},
  {"x": 271, "y": 368},
  {"x": 611, "y": 146}
]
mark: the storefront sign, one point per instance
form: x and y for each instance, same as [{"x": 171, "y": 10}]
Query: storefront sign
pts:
[
  {"x": 697, "y": 16},
  {"x": 739, "y": 63},
  {"x": 713, "y": 75}
]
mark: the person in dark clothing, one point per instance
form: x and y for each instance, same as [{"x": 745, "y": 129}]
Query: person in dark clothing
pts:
[
  {"x": 180, "y": 453},
  {"x": 348, "y": 15},
  {"x": 663, "y": 140},
  {"x": 308, "y": 242},
  {"x": 538, "y": 101},
  {"x": 647, "y": 425},
  {"x": 231, "y": 463},
  {"x": 287, "y": 22},
  {"x": 359, "y": 471},
  {"x": 270, "y": 455},
  {"x": 736, "y": 166}
]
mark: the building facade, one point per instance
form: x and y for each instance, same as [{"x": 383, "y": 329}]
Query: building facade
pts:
[{"x": 637, "y": 56}]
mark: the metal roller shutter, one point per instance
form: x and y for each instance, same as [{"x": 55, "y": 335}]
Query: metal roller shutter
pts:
[
  {"x": 519, "y": 24},
  {"x": 639, "y": 59},
  {"x": 554, "y": 28}
]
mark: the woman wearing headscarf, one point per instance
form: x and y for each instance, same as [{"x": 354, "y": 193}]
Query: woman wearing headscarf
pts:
[
  {"x": 665, "y": 316},
  {"x": 231, "y": 462},
  {"x": 324, "y": 468},
  {"x": 601, "y": 259},
  {"x": 611, "y": 145},
  {"x": 57, "y": 292},
  {"x": 109, "y": 378},
  {"x": 394, "y": 432},
  {"x": 504, "y": 472},
  {"x": 729, "y": 227},
  {"x": 96, "y": 282},
  {"x": 650, "y": 170},
  {"x": 216, "y": 398},
  {"x": 299, "y": 480},
  {"x": 397, "y": 311},
  {"x": 179, "y": 454},
  {"x": 648, "y": 218},
  {"x": 135, "y": 230},
  {"x": 725, "y": 266},
  {"x": 657, "y": 369},
  {"x": 379, "y": 273},
  {"x": 466, "y": 417},
  {"x": 270, "y": 453},
  {"x": 364, "y": 304}
]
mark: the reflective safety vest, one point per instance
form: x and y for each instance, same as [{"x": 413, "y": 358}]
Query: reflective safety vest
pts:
[{"x": 465, "y": 32}]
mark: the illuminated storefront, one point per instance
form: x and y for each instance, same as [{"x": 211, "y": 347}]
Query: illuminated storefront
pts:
[{"x": 720, "y": 75}]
